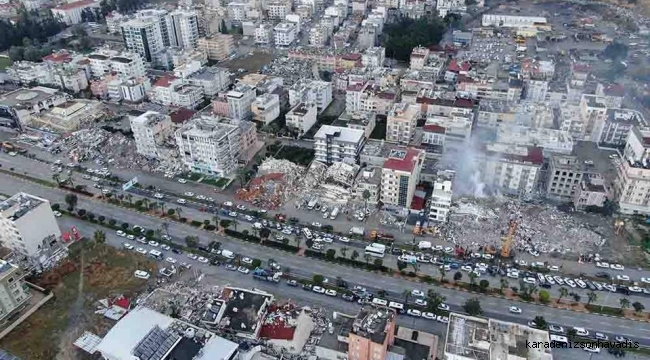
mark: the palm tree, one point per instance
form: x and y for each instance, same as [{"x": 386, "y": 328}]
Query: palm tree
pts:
[
  {"x": 366, "y": 257},
  {"x": 130, "y": 198},
  {"x": 407, "y": 295},
  {"x": 355, "y": 255},
  {"x": 591, "y": 297},
  {"x": 344, "y": 251},
  {"x": 235, "y": 223},
  {"x": 215, "y": 219},
  {"x": 145, "y": 202},
  {"x": 165, "y": 226},
  {"x": 99, "y": 237},
  {"x": 503, "y": 283},
  {"x": 442, "y": 271},
  {"x": 242, "y": 175},
  {"x": 178, "y": 212},
  {"x": 162, "y": 207},
  {"x": 563, "y": 292},
  {"x": 56, "y": 178},
  {"x": 70, "y": 180},
  {"x": 366, "y": 197},
  {"x": 625, "y": 303},
  {"x": 472, "y": 278}
]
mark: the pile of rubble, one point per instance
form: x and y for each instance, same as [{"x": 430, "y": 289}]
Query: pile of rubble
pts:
[
  {"x": 540, "y": 228},
  {"x": 291, "y": 70},
  {"x": 275, "y": 184}
]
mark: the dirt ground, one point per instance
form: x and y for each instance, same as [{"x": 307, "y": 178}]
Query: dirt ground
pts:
[
  {"x": 251, "y": 63},
  {"x": 93, "y": 272}
]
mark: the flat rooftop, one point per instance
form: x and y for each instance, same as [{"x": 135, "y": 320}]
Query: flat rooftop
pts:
[
  {"x": 244, "y": 309},
  {"x": 149, "y": 118},
  {"x": 357, "y": 117},
  {"x": 20, "y": 204},
  {"x": 371, "y": 323},
  {"x": 402, "y": 159},
  {"x": 206, "y": 127},
  {"x": 485, "y": 339},
  {"x": 27, "y": 97},
  {"x": 338, "y": 133}
]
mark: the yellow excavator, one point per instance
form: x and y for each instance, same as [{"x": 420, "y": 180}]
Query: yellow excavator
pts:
[{"x": 507, "y": 240}]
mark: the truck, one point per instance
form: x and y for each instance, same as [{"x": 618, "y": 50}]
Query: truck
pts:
[
  {"x": 266, "y": 275},
  {"x": 357, "y": 230},
  {"x": 380, "y": 236},
  {"x": 334, "y": 213},
  {"x": 312, "y": 203}
]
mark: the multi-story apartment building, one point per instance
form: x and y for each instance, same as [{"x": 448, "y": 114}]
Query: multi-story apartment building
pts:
[
  {"x": 510, "y": 169},
  {"x": 70, "y": 13},
  {"x": 264, "y": 34},
  {"x": 565, "y": 173},
  {"x": 28, "y": 227},
  {"x": 19, "y": 106},
  {"x": 172, "y": 91},
  {"x": 445, "y": 7},
  {"x": 318, "y": 36},
  {"x": 618, "y": 125},
  {"x": 217, "y": 47},
  {"x": 400, "y": 175},
  {"x": 311, "y": 91},
  {"x": 536, "y": 90},
  {"x": 302, "y": 117},
  {"x": 183, "y": 29},
  {"x": 440, "y": 202},
  {"x": 514, "y": 21},
  {"x": 284, "y": 34},
  {"x": 401, "y": 122},
  {"x": 144, "y": 36},
  {"x": 209, "y": 145},
  {"x": 591, "y": 192},
  {"x": 240, "y": 100},
  {"x": 211, "y": 80},
  {"x": 13, "y": 291},
  {"x": 278, "y": 9},
  {"x": 369, "y": 97},
  {"x": 237, "y": 11},
  {"x": 419, "y": 58},
  {"x": 124, "y": 64},
  {"x": 360, "y": 120},
  {"x": 150, "y": 130},
  {"x": 266, "y": 108},
  {"x": 632, "y": 185},
  {"x": 593, "y": 114},
  {"x": 338, "y": 144},
  {"x": 373, "y": 57},
  {"x": 611, "y": 94}
]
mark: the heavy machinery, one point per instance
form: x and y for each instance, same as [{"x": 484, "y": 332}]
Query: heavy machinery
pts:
[{"x": 507, "y": 240}]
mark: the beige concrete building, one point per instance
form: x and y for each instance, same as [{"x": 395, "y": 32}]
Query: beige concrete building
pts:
[
  {"x": 13, "y": 291},
  {"x": 150, "y": 130},
  {"x": 402, "y": 120},
  {"x": 565, "y": 175},
  {"x": 400, "y": 175},
  {"x": 632, "y": 185},
  {"x": 217, "y": 47},
  {"x": 591, "y": 192}
]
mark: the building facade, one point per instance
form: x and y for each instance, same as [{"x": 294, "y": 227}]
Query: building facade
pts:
[
  {"x": 400, "y": 176},
  {"x": 401, "y": 123},
  {"x": 338, "y": 144},
  {"x": 150, "y": 130}
]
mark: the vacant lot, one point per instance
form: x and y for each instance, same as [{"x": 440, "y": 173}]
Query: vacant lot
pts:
[
  {"x": 92, "y": 272},
  {"x": 251, "y": 63}
]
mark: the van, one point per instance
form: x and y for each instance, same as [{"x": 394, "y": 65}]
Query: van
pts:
[
  {"x": 307, "y": 233},
  {"x": 378, "y": 301},
  {"x": 155, "y": 254},
  {"x": 227, "y": 254},
  {"x": 140, "y": 274}
]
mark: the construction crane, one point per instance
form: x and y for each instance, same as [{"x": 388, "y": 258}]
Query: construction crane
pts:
[{"x": 507, "y": 240}]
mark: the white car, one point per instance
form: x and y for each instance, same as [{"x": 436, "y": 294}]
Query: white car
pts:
[
  {"x": 165, "y": 247},
  {"x": 203, "y": 260},
  {"x": 417, "y": 293},
  {"x": 192, "y": 256},
  {"x": 142, "y": 240},
  {"x": 141, "y": 274},
  {"x": 622, "y": 277},
  {"x": 56, "y": 213},
  {"x": 413, "y": 312},
  {"x": 556, "y": 329},
  {"x": 286, "y": 232},
  {"x": 549, "y": 279},
  {"x": 200, "y": 197},
  {"x": 182, "y": 181},
  {"x": 514, "y": 274},
  {"x": 558, "y": 280},
  {"x": 153, "y": 243},
  {"x": 316, "y": 224},
  {"x": 645, "y": 280},
  {"x": 420, "y": 302},
  {"x": 181, "y": 201},
  {"x": 581, "y": 331},
  {"x": 442, "y": 319},
  {"x": 514, "y": 310},
  {"x": 130, "y": 237},
  {"x": 570, "y": 282},
  {"x": 318, "y": 290},
  {"x": 330, "y": 292},
  {"x": 233, "y": 214},
  {"x": 602, "y": 264},
  {"x": 141, "y": 251},
  {"x": 635, "y": 289},
  {"x": 243, "y": 270},
  {"x": 248, "y": 218},
  {"x": 227, "y": 203},
  {"x": 530, "y": 280},
  {"x": 581, "y": 283},
  {"x": 247, "y": 260},
  {"x": 617, "y": 267},
  {"x": 171, "y": 260},
  {"x": 448, "y": 250},
  {"x": 443, "y": 307},
  {"x": 189, "y": 194},
  {"x": 592, "y": 349},
  {"x": 120, "y": 233},
  {"x": 428, "y": 315},
  {"x": 553, "y": 268},
  {"x": 128, "y": 246},
  {"x": 466, "y": 268},
  {"x": 158, "y": 195},
  {"x": 521, "y": 263}
]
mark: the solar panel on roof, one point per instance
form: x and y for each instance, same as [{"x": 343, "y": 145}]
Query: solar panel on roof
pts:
[{"x": 155, "y": 344}]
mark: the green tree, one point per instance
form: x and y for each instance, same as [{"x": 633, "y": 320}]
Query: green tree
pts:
[
  {"x": 457, "y": 276},
  {"x": 192, "y": 241},
  {"x": 563, "y": 292},
  {"x": 223, "y": 28},
  {"x": 484, "y": 285},
  {"x": 473, "y": 307},
  {"x": 355, "y": 255},
  {"x": 318, "y": 279},
  {"x": 225, "y": 223},
  {"x": 265, "y": 233},
  {"x": 242, "y": 176},
  {"x": 344, "y": 251},
  {"x": 591, "y": 297},
  {"x": 503, "y": 283},
  {"x": 56, "y": 178},
  {"x": 625, "y": 303},
  {"x": 171, "y": 212},
  {"x": 638, "y": 307},
  {"x": 366, "y": 257},
  {"x": 442, "y": 272},
  {"x": 472, "y": 278},
  {"x": 125, "y": 226},
  {"x": 71, "y": 200},
  {"x": 540, "y": 322},
  {"x": 571, "y": 333},
  {"x": 330, "y": 254},
  {"x": 99, "y": 237},
  {"x": 544, "y": 297},
  {"x": 401, "y": 265},
  {"x": 378, "y": 263},
  {"x": 366, "y": 197},
  {"x": 407, "y": 295}
]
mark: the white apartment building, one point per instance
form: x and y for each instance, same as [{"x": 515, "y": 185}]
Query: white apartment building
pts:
[
  {"x": 171, "y": 91},
  {"x": 150, "y": 130},
  {"x": 370, "y": 97},
  {"x": 13, "y": 292},
  {"x": 266, "y": 108},
  {"x": 318, "y": 36},
  {"x": 114, "y": 22},
  {"x": 211, "y": 80},
  {"x": 183, "y": 29},
  {"x": 28, "y": 227},
  {"x": 448, "y": 131},
  {"x": 124, "y": 64},
  {"x": 217, "y": 47},
  {"x": 311, "y": 91},
  {"x": 284, "y": 34},
  {"x": 401, "y": 122},
  {"x": 536, "y": 90},
  {"x": 632, "y": 185},
  {"x": 419, "y": 58},
  {"x": 338, "y": 144},
  {"x": 264, "y": 34},
  {"x": 440, "y": 202},
  {"x": 144, "y": 36},
  {"x": 513, "y": 21},
  {"x": 373, "y": 57},
  {"x": 302, "y": 117},
  {"x": 131, "y": 90},
  {"x": 240, "y": 100},
  {"x": 278, "y": 9},
  {"x": 400, "y": 175},
  {"x": 70, "y": 13},
  {"x": 510, "y": 169},
  {"x": 237, "y": 11},
  {"x": 209, "y": 145},
  {"x": 593, "y": 114},
  {"x": 445, "y": 7}
]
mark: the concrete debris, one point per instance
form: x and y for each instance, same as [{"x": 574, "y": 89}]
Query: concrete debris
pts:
[
  {"x": 541, "y": 228},
  {"x": 291, "y": 70},
  {"x": 276, "y": 184}
]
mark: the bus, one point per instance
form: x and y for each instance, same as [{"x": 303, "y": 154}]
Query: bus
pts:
[
  {"x": 334, "y": 213},
  {"x": 559, "y": 341},
  {"x": 378, "y": 301},
  {"x": 155, "y": 254},
  {"x": 307, "y": 233},
  {"x": 399, "y": 307},
  {"x": 375, "y": 251}
]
